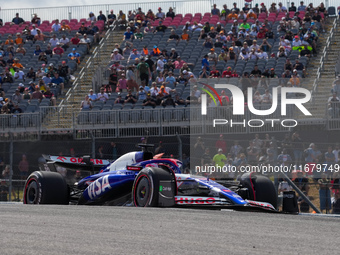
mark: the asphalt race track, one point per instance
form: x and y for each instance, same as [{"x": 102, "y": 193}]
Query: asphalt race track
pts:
[{"x": 27, "y": 229}]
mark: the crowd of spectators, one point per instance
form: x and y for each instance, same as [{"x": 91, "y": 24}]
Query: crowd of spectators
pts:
[
  {"x": 292, "y": 151},
  {"x": 38, "y": 58},
  {"x": 297, "y": 34}
]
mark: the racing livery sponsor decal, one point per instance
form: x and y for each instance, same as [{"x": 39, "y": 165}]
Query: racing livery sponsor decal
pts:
[
  {"x": 188, "y": 200},
  {"x": 98, "y": 187},
  {"x": 99, "y": 162}
]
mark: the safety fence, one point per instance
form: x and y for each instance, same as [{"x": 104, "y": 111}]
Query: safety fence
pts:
[{"x": 79, "y": 12}]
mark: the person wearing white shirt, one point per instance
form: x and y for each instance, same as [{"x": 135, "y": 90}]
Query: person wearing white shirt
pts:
[
  {"x": 56, "y": 26},
  {"x": 160, "y": 64},
  {"x": 154, "y": 90},
  {"x": 281, "y": 8},
  {"x": 254, "y": 46},
  {"x": 261, "y": 54},
  {"x": 19, "y": 75},
  {"x": 64, "y": 41},
  {"x": 34, "y": 31},
  {"x": 160, "y": 14},
  {"x": 296, "y": 42},
  {"x": 53, "y": 41},
  {"x": 102, "y": 96}
]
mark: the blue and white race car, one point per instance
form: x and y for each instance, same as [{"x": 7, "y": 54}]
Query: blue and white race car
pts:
[{"x": 141, "y": 179}]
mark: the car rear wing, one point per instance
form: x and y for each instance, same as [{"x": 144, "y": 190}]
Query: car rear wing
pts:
[{"x": 79, "y": 163}]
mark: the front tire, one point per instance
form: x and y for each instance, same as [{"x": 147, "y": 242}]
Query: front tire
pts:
[
  {"x": 147, "y": 189},
  {"x": 260, "y": 187},
  {"x": 43, "y": 187}
]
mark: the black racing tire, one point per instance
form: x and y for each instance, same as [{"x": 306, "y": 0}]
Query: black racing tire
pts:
[
  {"x": 265, "y": 190},
  {"x": 260, "y": 187},
  {"x": 145, "y": 188},
  {"x": 44, "y": 187}
]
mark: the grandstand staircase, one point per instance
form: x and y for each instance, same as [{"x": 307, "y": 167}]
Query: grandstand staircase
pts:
[
  {"x": 69, "y": 105},
  {"x": 320, "y": 97}
]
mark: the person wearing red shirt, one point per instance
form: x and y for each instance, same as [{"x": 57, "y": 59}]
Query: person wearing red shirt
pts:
[
  {"x": 214, "y": 73},
  {"x": 262, "y": 33},
  {"x": 75, "y": 40},
  {"x": 234, "y": 74},
  {"x": 227, "y": 73},
  {"x": 58, "y": 50}
]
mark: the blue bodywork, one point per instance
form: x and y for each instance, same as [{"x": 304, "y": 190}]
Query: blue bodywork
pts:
[{"x": 115, "y": 176}]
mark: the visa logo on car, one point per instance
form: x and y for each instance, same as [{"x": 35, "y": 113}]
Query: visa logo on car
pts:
[{"x": 98, "y": 187}]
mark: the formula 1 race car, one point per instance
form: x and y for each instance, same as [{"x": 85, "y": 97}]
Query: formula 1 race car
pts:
[{"x": 141, "y": 179}]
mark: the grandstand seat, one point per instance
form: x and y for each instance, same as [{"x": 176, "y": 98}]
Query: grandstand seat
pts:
[{"x": 331, "y": 11}]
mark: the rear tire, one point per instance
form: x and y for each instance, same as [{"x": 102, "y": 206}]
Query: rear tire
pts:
[{"x": 43, "y": 187}]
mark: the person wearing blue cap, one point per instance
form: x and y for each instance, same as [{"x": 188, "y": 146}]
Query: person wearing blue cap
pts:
[{"x": 74, "y": 55}]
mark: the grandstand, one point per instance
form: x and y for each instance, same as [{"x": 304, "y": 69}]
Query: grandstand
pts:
[{"x": 93, "y": 72}]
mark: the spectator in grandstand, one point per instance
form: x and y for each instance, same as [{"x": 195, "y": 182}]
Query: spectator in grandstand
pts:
[
  {"x": 130, "y": 98},
  {"x": 119, "y": 99},
  {"x": 122, "y": 84},
  {"x": 102, "y": 96},
  {"x": 19, "y": 74},
  {"x": 58, "y": 50},
  {"x": 334, "y": 106},
  {"x": 128, "y": 35},
  {"x": 133, "y": 55},
  {"x": 324, "y": 193},
  {"x": 143, "y": 71},
  {"x": 16, "y": 64},
  {"x": 59, "y": 81},
  {"x": 122, "y": 18},
  {"x": 305, "y": 52},
  {"x": 116, "y": 56},
  {"x": 302, "y": 7},
  {"x": 131, "y": 78},
  {"x": 101, "y": 16},
  {"x": 23, "y": 167},
  {"x": 92, "y": 96},
  {"x": 149, "y": 101},
  {"x": 64, "y": 27},
  {"x": 16, "y": 97},
  {"x": 160, "y": 27},
  {"x": 206, "y": 158},
  {"x": 85, "y": 41},
  {"x": 284, "y": 158},
  {"x": 219, "y": 159},
  {"x": 86, "y": 104},
  {"x": 21, "y": 49},
  {"x": 49, "y": 95},
  {"x": 56, "y": 27},
  {"x": 215, "y": 10},
  {"x": 173, "y": 36},
  {"x": 111, "y": 18},
  {"x": 74, "y": 55},
  {"x": 149, "y": 29},
  {"x": 40, "y": 36},
  {"x": 91, "y": 17},
  {"x": 17, "y": 20},
  {"x": 170, "y": 13},
  {"x": 160, "y": 15}
]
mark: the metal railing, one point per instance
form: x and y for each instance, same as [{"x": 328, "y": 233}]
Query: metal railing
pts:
[
  {"x": 79, "y": 12},
  {"x": 127, "y": 122}
]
